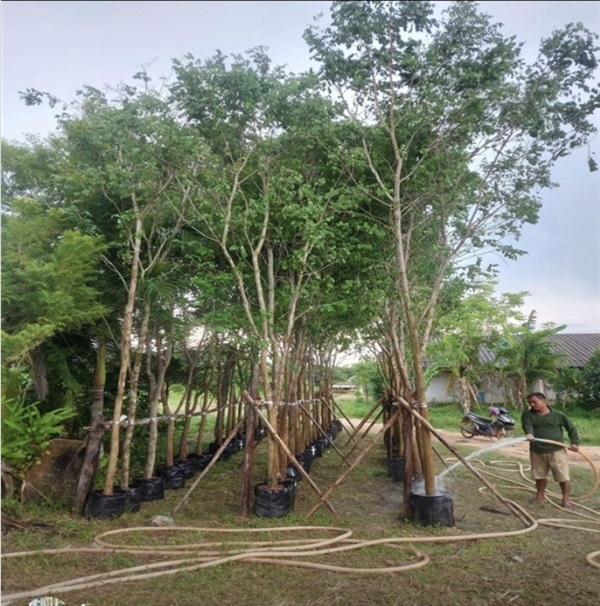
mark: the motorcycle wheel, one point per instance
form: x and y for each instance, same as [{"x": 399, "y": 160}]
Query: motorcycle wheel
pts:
[{"x": 468, "y": 430}]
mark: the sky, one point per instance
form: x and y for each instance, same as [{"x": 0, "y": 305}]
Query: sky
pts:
[{"x": 60, "y": 46}]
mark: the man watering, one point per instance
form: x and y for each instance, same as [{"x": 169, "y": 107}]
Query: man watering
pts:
[{"x": 541, "y": 422}]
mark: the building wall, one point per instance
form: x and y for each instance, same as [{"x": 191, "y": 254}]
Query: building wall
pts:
[{"x": 443, "y": 389}]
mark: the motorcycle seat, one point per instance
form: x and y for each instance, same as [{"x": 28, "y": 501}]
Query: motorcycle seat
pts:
[{"x": 481, "y": 419}]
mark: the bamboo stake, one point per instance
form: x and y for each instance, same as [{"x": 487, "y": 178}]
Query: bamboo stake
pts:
[
  {"x": 339, "y": 409},
  {"x": 365, "y": 419},
  {"x": 325, "y": 434},
  {"x": 465, "y": 462},
  {"x": 366, "y": 432},
  {"x": 287, "y": 451},
  {"x": 353, "y": 466},
  {"x": 215, "y": 458}
]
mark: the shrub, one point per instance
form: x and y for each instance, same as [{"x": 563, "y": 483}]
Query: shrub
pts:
[
  {"x": 590, "y": 388},
  {"x": 26, "y": 432}
]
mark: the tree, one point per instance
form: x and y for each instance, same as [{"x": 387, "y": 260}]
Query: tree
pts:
[
  {"x": 48, "y": 286},
  {"x": 268, "y": 202},
  {"x": 477, "y": 320},
  {"x": 590, "y": 387},
  {"x": 128, "y": 172},
  {"x": 458, "y": 134},
  {"x": 526, "y": 356}
]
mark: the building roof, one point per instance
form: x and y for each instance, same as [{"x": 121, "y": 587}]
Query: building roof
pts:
[{"x": 578, "y": 348}]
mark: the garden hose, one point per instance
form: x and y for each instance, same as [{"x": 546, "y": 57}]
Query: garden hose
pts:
[
  {"x": 595, "y": 472},
  {"x": 267, "y": 552},
  {"x": 208, "y": 554}
]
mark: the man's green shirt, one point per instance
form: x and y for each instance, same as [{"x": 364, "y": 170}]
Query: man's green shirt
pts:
[{"x": 548, "y": 427}]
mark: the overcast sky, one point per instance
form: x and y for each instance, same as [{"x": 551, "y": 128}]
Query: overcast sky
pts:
[{"x": 59, "y": 46}]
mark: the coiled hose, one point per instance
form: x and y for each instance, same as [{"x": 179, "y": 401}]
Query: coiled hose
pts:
[{"x": 283, "y": 553}]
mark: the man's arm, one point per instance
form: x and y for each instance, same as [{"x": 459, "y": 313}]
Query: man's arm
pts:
[
  {"x": 527, "y": 425},
  {"x": 572, "y": 432}
]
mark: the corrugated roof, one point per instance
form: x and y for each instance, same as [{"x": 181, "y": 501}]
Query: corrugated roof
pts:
[{"x": 578, "y": 348}]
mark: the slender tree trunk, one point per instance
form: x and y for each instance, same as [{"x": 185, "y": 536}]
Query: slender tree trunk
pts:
[
  {"x": 111, "y": 472},
  {"x": 132, "y": 405},
  {"x": 93, "y": 448}
]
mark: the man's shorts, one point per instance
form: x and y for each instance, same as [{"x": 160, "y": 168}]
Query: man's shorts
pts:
[{"x": 557, "y": 462}]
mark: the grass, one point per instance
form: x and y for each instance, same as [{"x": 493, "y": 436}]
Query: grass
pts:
[{"x": 508, "y": 570}]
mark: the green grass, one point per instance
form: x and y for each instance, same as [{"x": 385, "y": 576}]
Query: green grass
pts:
[{"x": 495, "y": 571}]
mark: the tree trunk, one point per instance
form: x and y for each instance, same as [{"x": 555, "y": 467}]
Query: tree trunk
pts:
[
  {"x": 85, "y": 483},
  {"x": 131, "y": 409},
  {"x": 111, "y": 472}
]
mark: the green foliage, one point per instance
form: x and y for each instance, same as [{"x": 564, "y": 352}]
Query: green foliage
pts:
[
  {"x": 526, "y": 356},
  {"x": 26, "y": 432},
  {"x": 455, "y": 135},
  {"x": 567, "y": 384},
  {"x": 48, "y": 278},
  {"x": 590, "y": 387}
]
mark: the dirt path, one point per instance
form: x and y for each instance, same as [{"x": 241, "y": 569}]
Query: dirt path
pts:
[{"x": 519, "y": 450}]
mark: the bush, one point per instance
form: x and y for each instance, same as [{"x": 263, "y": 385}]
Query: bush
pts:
[
  {"x": 26, "y": 432},
  {"x": 590, "y": 388}
]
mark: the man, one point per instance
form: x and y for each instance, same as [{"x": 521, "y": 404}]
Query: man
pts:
[{"x": 545, "y": 423}]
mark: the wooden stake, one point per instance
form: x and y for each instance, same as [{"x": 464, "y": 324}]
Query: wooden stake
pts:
[
  {"x": 287, "y": 451},
  {"x": 215, "y": 458},
  {"x": 367, "y": 417},
  {"x": 465, "y": 462},
  {"x": 366, "y": 432},
  {"x": 325, "y": 434},
  {"x": 353, "y": 466}
]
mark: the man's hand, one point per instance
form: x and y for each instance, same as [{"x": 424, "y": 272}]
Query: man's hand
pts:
[
  {"x": 530, "y": 437},
  {"x": 574, "y": 447}
]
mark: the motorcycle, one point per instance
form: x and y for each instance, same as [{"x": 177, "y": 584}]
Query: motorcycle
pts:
[{"x": 476, "y": 425}]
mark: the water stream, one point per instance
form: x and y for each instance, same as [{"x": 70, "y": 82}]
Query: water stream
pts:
[{"x": 481, "y": 451}]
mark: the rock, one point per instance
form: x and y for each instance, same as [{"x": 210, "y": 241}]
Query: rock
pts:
[
  {"x": 55, "y": 476},
  {"x": 162, "y": 521}
]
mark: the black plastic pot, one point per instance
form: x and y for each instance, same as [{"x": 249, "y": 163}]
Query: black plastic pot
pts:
[
  {"x": 272, "y": 501},
  {"x": 260, "y": 431},
  {"x": 339, "y": 425},
  {"x": 225, "y": 455},
  {"x": 213, "y": 447},
  {"x": 291, "y": 473},
  {"x": 305, "y": 459},
  {"x": 437, "y": 510},
  {"x": 325, "y": 442},
  {"x": 105, "y": 507},
  {"x": 396, "y": 468},
  {"x": 200, "y": 461},
  {"x": 188, "y": 467},
  {"x": 133, "y": 502},
  {"x": 290, "y": 485},
  {"x": 318, "y": 447},
  {"x": 151, "y": 489},
  {"x": 172, "y": 476}
]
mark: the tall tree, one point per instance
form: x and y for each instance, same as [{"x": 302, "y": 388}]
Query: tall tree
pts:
[
  {"x": 459, "y": 134},
  {"x": 268, "y": 200}
]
